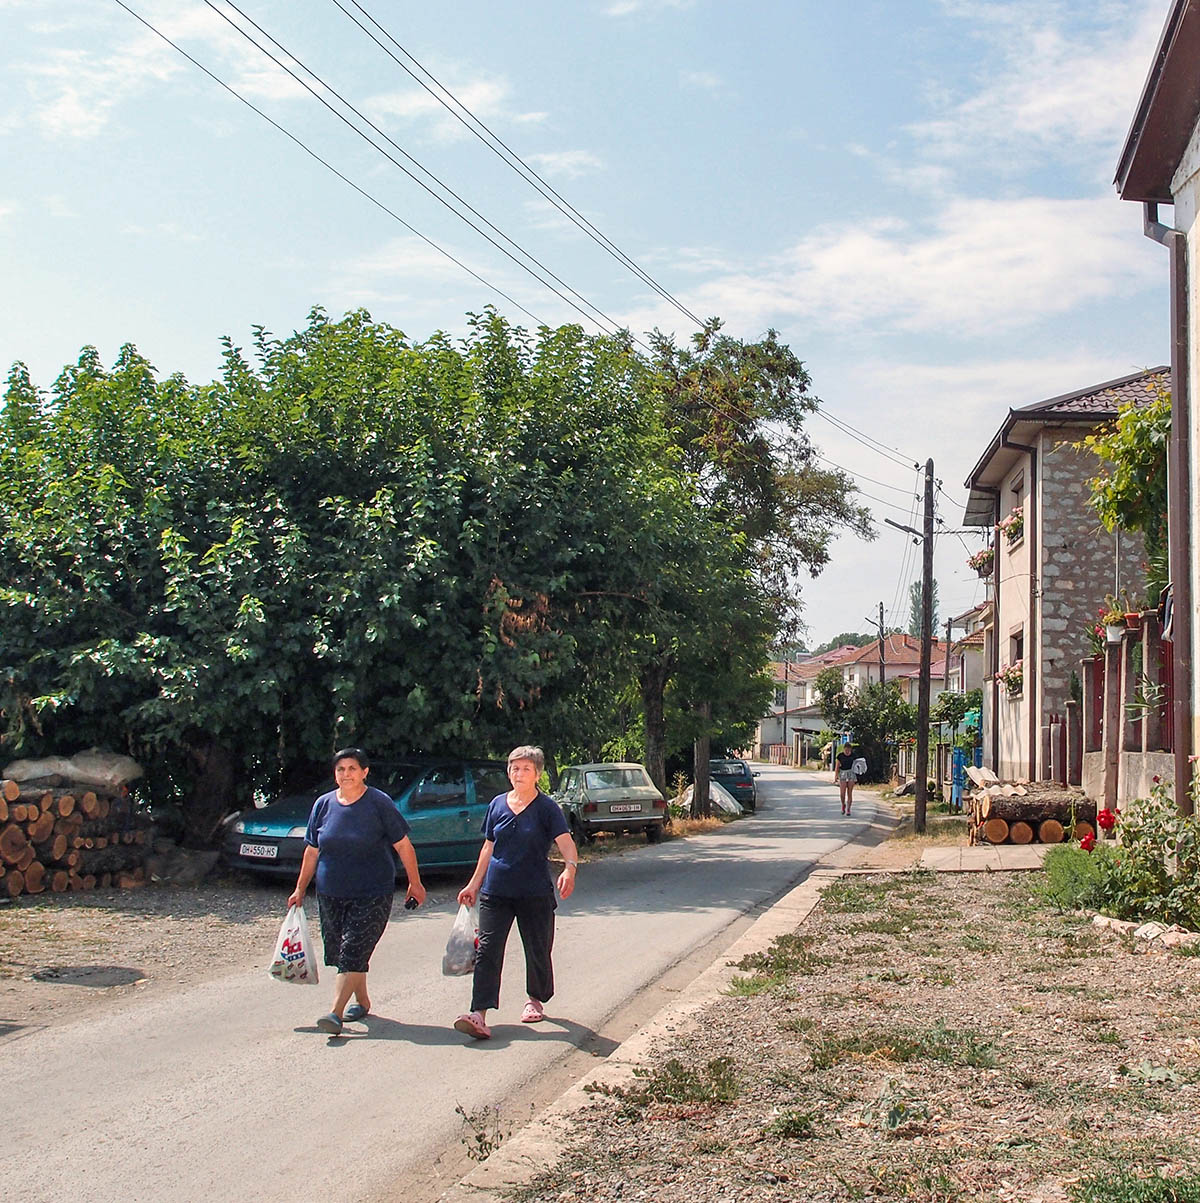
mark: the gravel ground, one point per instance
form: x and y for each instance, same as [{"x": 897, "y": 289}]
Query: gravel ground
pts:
[{"x": 921, "y": 1037}]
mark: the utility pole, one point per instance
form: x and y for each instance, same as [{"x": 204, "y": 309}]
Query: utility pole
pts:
[
  {"x": 881, "y": 662},
  {"x": 926, "y": 656},
  {"x": 946, "y": 674}
]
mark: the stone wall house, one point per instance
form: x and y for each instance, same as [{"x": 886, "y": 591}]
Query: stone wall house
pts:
[
  {"x": 1054, "y": 563},
  {"x": 1160, "y": 165}
]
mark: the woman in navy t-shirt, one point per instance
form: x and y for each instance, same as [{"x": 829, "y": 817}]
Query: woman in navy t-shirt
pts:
[
  {"x": 352, "y": 834},
  {"x": 512, "y": 882}
]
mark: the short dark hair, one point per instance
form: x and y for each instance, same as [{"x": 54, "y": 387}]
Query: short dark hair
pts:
[{"x": 352, "y": 754}]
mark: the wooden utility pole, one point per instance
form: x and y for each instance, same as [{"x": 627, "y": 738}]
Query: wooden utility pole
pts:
[
  {"x": 922, "y": 796},
  {"x": 881, "y": 661}
]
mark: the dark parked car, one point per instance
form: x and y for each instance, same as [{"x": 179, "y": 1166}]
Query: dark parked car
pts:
[
  {"x": 444, "y": 803},
  {"x": 736, "y": 777},
  {"x": 610, "y": 797}
]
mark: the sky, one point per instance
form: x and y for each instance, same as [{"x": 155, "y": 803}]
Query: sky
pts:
[{"x": 916, "y": 194}]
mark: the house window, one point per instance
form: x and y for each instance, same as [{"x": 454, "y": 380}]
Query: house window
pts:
[
  {"x": 781, "y": 696},
  {"x": 1016, "y": 489},
  {"x": 1016, "y": 646}
]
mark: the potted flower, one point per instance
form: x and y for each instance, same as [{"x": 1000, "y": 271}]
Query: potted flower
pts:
[
  {"x": 1012, "y": 527},
  {"x": 983, "y": 560},
  {"x": 1112, "y": 616},
  {"x": 1095, "y": 638},
  {"x": 1012, "y": 677}
]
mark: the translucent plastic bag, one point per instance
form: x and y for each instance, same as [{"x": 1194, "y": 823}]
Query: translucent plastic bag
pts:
[
  {"x": 294, "y": 959},
  {"x": 459, "y": 958},
  {"x": 859, "y": 767}
]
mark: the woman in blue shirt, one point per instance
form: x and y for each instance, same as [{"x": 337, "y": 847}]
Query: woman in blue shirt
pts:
[
  {"x": 512, "y": 882},
  {"x": 352, "y": 834}
]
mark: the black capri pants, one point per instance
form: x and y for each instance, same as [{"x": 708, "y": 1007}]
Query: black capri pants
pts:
[
  {"x": 350, "y": 929},
  {"x": 535, "y": 922}
]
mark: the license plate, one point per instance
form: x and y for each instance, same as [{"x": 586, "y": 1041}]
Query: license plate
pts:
[
  {"x": 264, "y": 851},
  {"x": 624, "y": 808}
]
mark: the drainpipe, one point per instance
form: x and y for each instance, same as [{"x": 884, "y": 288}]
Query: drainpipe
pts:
[
  {"x": 1178, "y": 505},
  {"x": 993, "y": 665},
  {"x": 1031, "y": 636}
]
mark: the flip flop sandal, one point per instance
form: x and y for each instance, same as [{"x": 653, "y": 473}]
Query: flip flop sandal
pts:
[
  {"x": 355, "y": 1011},
  {"x": 330, "y": 1024}
]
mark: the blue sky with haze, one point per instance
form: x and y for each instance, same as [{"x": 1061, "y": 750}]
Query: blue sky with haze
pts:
[{"x": 916, "y": 194}]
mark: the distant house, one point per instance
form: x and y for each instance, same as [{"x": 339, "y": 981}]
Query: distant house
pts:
[
  {"x": 1054, "y": 562},
  {"x": 1160, "y": 164},
  {"x": 795, "y": 716},
  {"x": 969, "y": 670},
  {"x": 901, "y": 663}
]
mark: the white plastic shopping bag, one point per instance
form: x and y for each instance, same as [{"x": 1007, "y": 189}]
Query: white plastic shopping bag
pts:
[
  {"x": 459, "y": 957},
  {"x": 294, "y": 959},
  {"x": 859, "y": 767}
]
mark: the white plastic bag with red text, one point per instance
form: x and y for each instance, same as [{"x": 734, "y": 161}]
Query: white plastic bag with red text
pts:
[
  {"x": 459, "y": 958},
  {"x": 294, "y": 959}
]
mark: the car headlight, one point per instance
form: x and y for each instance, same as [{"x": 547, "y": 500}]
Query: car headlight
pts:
[
  {"x": 297, "y": 831},
  {"x": 239, "y": 826}
]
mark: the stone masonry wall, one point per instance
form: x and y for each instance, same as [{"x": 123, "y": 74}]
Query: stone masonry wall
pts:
[{"x": 1079, "y": 563}]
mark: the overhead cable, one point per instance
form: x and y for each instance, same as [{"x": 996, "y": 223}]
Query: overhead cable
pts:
[
  {"x": 330, "y": 167},
  {"x": 506, "y": 154},
  {"x": 607, "y": 324}
]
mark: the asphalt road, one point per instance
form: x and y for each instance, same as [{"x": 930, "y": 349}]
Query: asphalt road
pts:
[{"x": 227, "y": 1088}]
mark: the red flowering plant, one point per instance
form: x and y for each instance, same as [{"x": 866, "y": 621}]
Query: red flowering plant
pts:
[
  {"x": 1107, "y": 819},
  {"x": 1088, "y": 841}
]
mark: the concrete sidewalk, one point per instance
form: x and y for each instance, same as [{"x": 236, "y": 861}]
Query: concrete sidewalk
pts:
[{"x": 984, "y": 858}]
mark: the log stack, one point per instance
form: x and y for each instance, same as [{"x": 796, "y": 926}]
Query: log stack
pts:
[
  {"x": 57, "y": 837},
  {"x": 1007, "y": 812}
]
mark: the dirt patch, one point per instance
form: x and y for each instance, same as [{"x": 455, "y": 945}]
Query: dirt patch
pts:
[{"x": 938, "y": 1038}]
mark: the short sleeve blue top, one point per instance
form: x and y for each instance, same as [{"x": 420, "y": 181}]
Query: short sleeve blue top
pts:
[
  {"x": 518, "y": 867},
  {"x": 355, "y": 842}
]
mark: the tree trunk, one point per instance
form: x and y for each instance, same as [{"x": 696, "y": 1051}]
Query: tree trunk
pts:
[
  {"x": 212, "y": 795},
  {"x": 653, "y": 681},
  {"x": 995, "y": 831},
  {"x": 701, "y": 801}
]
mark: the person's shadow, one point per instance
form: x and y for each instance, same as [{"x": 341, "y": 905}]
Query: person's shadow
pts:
[{"x": 565, "y": 1031}]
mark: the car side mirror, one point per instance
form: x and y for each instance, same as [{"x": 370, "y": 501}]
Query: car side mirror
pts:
[{"x": 754, "y": 774}]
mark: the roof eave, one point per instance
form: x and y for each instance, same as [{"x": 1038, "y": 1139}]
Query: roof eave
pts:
[{"x": 1166, "y": 112}]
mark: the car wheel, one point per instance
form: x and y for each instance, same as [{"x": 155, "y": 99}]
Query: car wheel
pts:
[{"x": 654, "y": 833}]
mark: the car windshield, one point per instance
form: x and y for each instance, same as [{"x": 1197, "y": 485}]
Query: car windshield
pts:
[
  {"x": 727, "y": 768},
  {"x": 614, "y": 778},
  {"x": 393, "y": 779}
]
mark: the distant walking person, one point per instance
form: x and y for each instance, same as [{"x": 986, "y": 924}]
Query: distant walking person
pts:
[{"x": 846, "y": 776}]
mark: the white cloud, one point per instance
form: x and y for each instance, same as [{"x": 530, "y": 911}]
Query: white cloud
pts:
[
  {"x": 487, "y": 98},
  {"x": 1048, "y": 82},
  {"x": 980, "y": 266},
  {"x": 700, "y": 79},
  {"x": 569, "y": 164},
  {"x": 625, "y": 8}
]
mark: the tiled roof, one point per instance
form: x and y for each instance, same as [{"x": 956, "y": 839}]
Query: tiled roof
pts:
[
  {"x": 1103, "y": 400},
  {"x": 803, "y": 670},
  {"x": 897, "y": 649}
]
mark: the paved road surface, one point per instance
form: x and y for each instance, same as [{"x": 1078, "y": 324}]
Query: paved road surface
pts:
[{"x": 227, "y": 1089}]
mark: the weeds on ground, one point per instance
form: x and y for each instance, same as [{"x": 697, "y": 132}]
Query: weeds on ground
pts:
[
  {"x": 1125, "y": 1186},
  {"x": 938, "y": 1043},
  {"x": 793, "y": 1125},
  {"x": 482, "y": 1133},
  {"x": 787, "y": 956},
  {"x": 853, "y": 897},
  {"x": 674, "y": 1082}
]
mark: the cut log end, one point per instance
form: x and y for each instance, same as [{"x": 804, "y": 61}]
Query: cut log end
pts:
[
  {"x": 995, "y": 831},
  {"x": 1051, "y": 831},
  {"x": 1020, "y": 833}
]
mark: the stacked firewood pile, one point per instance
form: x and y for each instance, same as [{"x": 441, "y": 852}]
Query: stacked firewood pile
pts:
[
  {"x": 1006, "y": 812},
  {"x": 55, "y": 836}
]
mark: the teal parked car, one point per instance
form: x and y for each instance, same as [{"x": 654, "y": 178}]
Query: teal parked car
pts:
[{"x": 443, "y": 801}]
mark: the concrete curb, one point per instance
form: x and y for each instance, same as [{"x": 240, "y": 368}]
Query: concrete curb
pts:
[{"x": 537, "y": 1147}]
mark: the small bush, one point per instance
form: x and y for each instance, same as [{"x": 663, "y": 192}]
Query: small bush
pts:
[
  {"x": 674, "y": 1082},
  {"x": 794, "y": 1125},
  {"x": 1073, "y": 877}
]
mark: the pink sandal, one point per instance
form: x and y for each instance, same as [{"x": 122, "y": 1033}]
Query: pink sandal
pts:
[
  {"x": 533, "y": 1012},
  {"x": 472, "y": 1025}
]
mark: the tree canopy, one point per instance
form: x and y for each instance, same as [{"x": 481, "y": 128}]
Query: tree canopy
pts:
[{"x": 352, "y": 537}]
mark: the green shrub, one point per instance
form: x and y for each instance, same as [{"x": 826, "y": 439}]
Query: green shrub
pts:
[
  {"x": 1153, "y": 872},
  {"x": 1073, "y": 877}
]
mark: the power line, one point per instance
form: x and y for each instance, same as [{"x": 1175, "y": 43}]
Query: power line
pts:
[
  {"x": 873, "y": 444},
  {"x": 507, "y": 155},
  {"x": 615, "y": 326},
  {"x": 329, "y": 166},
  {"x": 861, "y": 476}
]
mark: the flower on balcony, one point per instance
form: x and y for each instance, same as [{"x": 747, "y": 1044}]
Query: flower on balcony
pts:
[
  {"x": 1012, "y": 676},
  {"x": 1012, "y": 527},
  {"x": 983, "y": 560}
]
